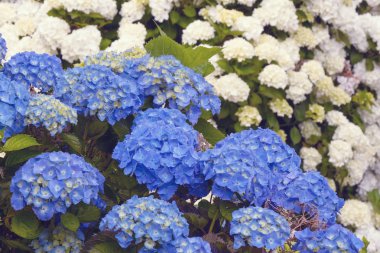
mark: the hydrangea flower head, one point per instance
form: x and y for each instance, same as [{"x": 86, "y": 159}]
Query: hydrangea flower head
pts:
[
  {"x": 259, "y": 227},
  {"x": 3, "y": 48},
  {"x": 193, "y": 244},
  {"x": 52, "y": 182},
  {"x": 114, "y": 60},
  {"x": 145, "y": 220},
  {"x": 14, "y": 99},
  {"x": 308, "y": 192},
  {"x": 171, "y": 83},
  {"x": 162, "y": 153},
  {"x": 96, "y": 90},
  {"x": 237, "y": 170},
  {"x": 41, "y": 71},
  {"x": 58, "y": 240},
  {"x": 333, "y": 239},
  {"x": 45, "y": 110}
]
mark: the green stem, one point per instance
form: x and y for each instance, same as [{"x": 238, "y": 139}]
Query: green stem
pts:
[{"x": 213, "y": 223}]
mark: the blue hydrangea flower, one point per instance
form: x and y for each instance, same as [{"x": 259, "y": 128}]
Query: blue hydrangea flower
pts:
[
  {"x": 59, "y": 240},
  {"x": 3, "y": 48},
  {"x": 114, "y": 60},
  {"x": 170, "y": 83},
  {"x": 52, "y": 182},
  {"x": 236, "y": 169},
  {"x": 46, "y": 111},
  {"x": 162, "y": 154},
  {"x": 145, "y": 220},
  {"x": 308, "y": 192},
  {"x": 259, "y": 227},
  {"x": 334, "y": 239},
  {"x": 41, "y": 71},
  {"x": 96, "y": 90},
  {"x": 193, "y": 244},
  {"x": 14, "y": 99}
]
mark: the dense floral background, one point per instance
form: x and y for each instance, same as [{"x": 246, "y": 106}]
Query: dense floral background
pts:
[{"x": 169, "y": 126}]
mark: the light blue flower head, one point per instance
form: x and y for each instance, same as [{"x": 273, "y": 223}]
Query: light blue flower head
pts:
[
  {"x": 259, "y": 227},
  {"x": 145, "y": 220},
  {"x": 59, "y": 240},
  {"x": 173, "y": 85},
  {"x": 161, "y": 152},
  {"x": 52, "y": 182},
  {"x": 14, "y": 99},
  {"x": 332, "y": 239},
  {"x": 308, "y": 192},
  {"x": 49, "y": 112},
  {"x": 96, "y": 90},
  {"x": 41, "y": 71}
]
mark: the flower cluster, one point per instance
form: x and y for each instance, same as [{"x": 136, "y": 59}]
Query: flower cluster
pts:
[
  {"x": 161, "y": 151},
  {"x": 259, "y": 227},
  {"x": 189, "y": 244},
  {"x": 169, "y": 82},
  {"x": 145, "y": 220},
  {"x": 308, "y": 192},
  {"x": 45, "y": 110},
  {"x": 14, "y": 99},
  {"x": 52, "y": 182},
  {"x": 333, "y": 239},
  {"x": 41, "y": 71},
  {"x": 96, "y": 90},
  {"x": 3, "y": 48},
  {"x": 58, "y": 240}
]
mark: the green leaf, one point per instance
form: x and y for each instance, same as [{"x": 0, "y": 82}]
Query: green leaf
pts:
[
  {"x": 369, "y": 65},
  {"x": 14, "y": 244},
  {"x": 121, "y": 128},
  {"x": 374, "y": 198},
  {"x": 189, "y": 11},
  {"x": 212, "y": 211},
  {"x": 211, "y": 134},
  {"x": 97, "y": 129},
  {"x": 73, "y": 141},
  {"x": 254, "y": 99},
  {"x": 105, "y": 43},
  {"x": 26, "y": 225},
  {"x": 226, "y": 208},
  {"x": 70, "y": 221},
  {"x": 107, "y": 247},
  {"x": 87, "y": 213},
  {"x": 195, "y": 58},
  {"x": 225, "y": 65},
  {"x": 174, "y": 17},
  {"x": 271, "y": 92},
  {"x": 355, "y": 57},
  {"x": 18, "y": 142},
  {"x": 272, "y": 121},
  {"x": 366, "y": 243},
  {"x": 196, "y": 220},
  {"x": 295, "y": 135},
  {"x": 20, "y": 156},
  {"x": 300, "y": 111}
]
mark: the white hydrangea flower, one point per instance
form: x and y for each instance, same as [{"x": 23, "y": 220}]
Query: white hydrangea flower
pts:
[
  {"x": 196, "y": 31},
  {"x": 371, "y": 116},
  {"x": 370, "y": 182},
  {"x": 31, "y": 43},
  {"x": 219, "y": 14},
  {"x": 160, "y": 9},
  {"x": 8, "y": 13},
  {"x": 305, "y": 37},
  {"x": 356, "y": 213},
  {"x": 350, "y": 133},
  {"x": 314, "y": 70},
  {"x": 278, "y": 13},
  {"x": 237, "y": 48},
  {"x": 231, "y": 88},
  {"x": 311, "y": 158},
  {"x": 2, "y": 154},
  {"x": 281, "y": 107},
  {"x": 274, "y": 76},
  {"x": 331, "y": 183},
  {"x": 372, "y": 235},
  {"x": 26, "y": 25},
  {"x": 248, "y": 116},
  {"x": 336, "y": 118},
  {"x": 53, "y": 31},
  {"x": 106, "y": 8},
  {"x": 81, "y": 43},
  {"x": 132, "y": 31},
  {"x": 332, "y": 56},
  {"x": 316, "y": 112},
  {"x": 309, "y": 128},
  {"x": 290, "y": 48},
  {"x": 356, "y": 169},
  {"x": 321, "y": 33},
  {"x": 340, "y": 153},
  {"x": 370, "y": 78},
  {"x": 132, "y": 11},
  {"x": 299, "y": 86},
  {"x": 327, "y": 90},
  {"x": 251, "y": 27}
]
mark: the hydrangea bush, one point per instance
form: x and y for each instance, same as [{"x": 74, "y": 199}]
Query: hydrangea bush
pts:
[{"x": 161, "y": 147}]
